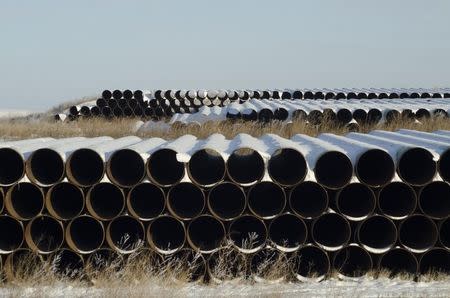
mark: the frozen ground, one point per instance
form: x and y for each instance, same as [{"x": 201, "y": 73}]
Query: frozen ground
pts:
[
  {"x": 10, "y": 113},
  {"x": 331, "y": 288}
]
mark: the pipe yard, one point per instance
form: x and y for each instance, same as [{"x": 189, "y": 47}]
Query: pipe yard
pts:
[{"x": 265, "y": 208}]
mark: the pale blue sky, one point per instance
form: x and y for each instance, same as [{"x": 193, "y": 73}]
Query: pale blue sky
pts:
[{"x": 53, "y": 51}]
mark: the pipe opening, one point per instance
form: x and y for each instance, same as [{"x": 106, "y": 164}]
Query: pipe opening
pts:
[
  {"x": 185, "y": 200},
  {"x": 352, "y": 95},
  {"x": 375, "y": 167},
  {"x": 328, "y": 115},
  {"x": 360, "y": 116},
  {"x": 227, "y": 201},
  {"x": 418, "y": 233},
  {"x": 330, "y": 95},
  {"x": 308, "y": 200},
  {"x": 281, "y": 114},
  {"x": 287, "y": 167},
  {"x": 425, "y": 95},
  {"x": 372, "y": 95},
  {"x": 356, "y": 201},
  {"x": 437, "y": 95},
  {"x": 12, "y": 167},
  {"x": 265, "y": 115},
  {"x": 315, "y": 117},
  {"x": 340, "y": 95},
  {"x": 299, "y": 115},
  {"x": 288, "y": 232},
  {"x": 311, "y": 262},
  {"x": 344, "y": 116},
  {"x": 126, "y": 168},
  {"x": 444, "y": 165},
  {"x": 102, "y": 261},
  {"x": 245, "y": 166},
  {"x": 435, "y": 261},
  {"x": 125, "y": 234},
  {"x": 146, "y": 201},
  {"x": 444, "y": 233},
  {"x": 248, "y": 233},
  {"x": 106, "y": 94},
  {"x": 374, "y": 116},
  {"x": 12, "y": 234},
  {"x": 392, "y": 115},
  {"x": 117, "y": 94},
  {"x": 352, "y": 261},
  {"x": 65, "y": 201},
  {"x": 67, "y": 263},
  {"x": 399, "y": 261},
  {"x": 383, "y": 95},
  {"x": 333, "y": 169},
  {"x": 226, "y": 264},
  {"x": 423, "y": 114},
  {"x": 166, "y": 234},
  {"x": 188, "y": 265},
  {"x": 85, "y": 167},
  {"x": 404, "y": 95},
  {"x": 297, "y": 94},
  {"x": 128, "y": 94},
  {"x": 397, "y": 200},
  {"x": 206, "y": 167},
  {"x": 416, "y": 166},
  {"x": 46, "y": 167},
  {"x": 44, "y": 234},
  {"x": 164, "y": 169},
  {"x": 105, "y": 201},
  {"x": 266, "y": 200},
  {"x": 377, "y": 234},
  {"x": 24, "y": 201},
  {"x": 268, "y": 265},
  {"x": 331, "y": 231},
  {"x": 394, "y": 95},
  {"x": 408, "y": 114},
  {"x": 206, "y": 234},
  {"x": 434, "y": 199},
  {"x": 85, "y": 234},
  {"x": 249, "y": 115}
]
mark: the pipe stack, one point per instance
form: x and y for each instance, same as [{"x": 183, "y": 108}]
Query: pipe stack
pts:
[{"x": 307, "y": 206}]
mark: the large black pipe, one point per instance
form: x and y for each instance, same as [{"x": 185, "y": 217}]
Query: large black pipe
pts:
[
  {"x": 106, "y": 94},
  {"x": 418, "y": 233},
  {"x": 434, "y": 199},
  {"x": 85, "y": 167},
  {"x": 64, "y": 201},
  {"x": 125, "y": 234},
  {"x": 248, "y": 233},
  {"x": 105, "y": 201},
  {"x": 205, "y": 234},
  {"x": 245, "y": 166},
  {"x": 398, "y": 261},
  {"x": 227, "y": 201},
  {"x": 185, "y": 201},
  {"x": 315, "y": 117},
  {"x": 288, "y": 232},
  {"x": 106, "y": 112},
  {"x": 444, "y": 233},
  {"x": 206, "y": 167},
  {"x": 374, "y": 116},
  {"x": 422, "y": 114},
  {"x": 166, "y": 234},
  {"x": 12, "y": 234},
  {"x": 186, "y": 265},
  {"x": 444, "y": 165},
  {"x": 128, "y": 94},
  {"x": 331, "y": 231},
  {"x": 85, "y": 234},
  {"x": 125, "y": 168},
  {"x": 299, "y": 115},
  {"x": 344, "y": 116},
  {"x": 375, "y": 167},
  {"x": 397, "y": 200},
  {"x": 13, "y": 166},
  {"x": 435, "y": 261},
  {"x": 102, "y": 263},
  {"x": 164, "y": 169},
  {"x": 24, "y": 201},
  {"x": 226, "y": 264},
  {"x": 269, "y": 265},
  {"x": 287, "y": 167},
  {"x": 417, "y": 166},
  {"x": 45, "y": 167},
  {"x": 333, "y": 170},
  {"x": 352, "y": 261},
  {"x": 281, "y": 114},
  {"x": 310, "y": 262},
  {"x": 146, "y": 201},
  {"x": 117, "y": 94},
  {"x": 308, "y": 200},
  {"x": 356, "y": 201},
  {"x": 265, "y": 115},
  {"x": 67, "y": 264},
  {"x": 44, "y": 234},
  {"x": 266, "y": 200},
  {"x": 377, "y": 234}
]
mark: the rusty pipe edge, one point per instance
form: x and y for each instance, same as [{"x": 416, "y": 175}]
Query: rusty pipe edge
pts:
[
  {"x": 25, "y": 192},
  {"x": 64, "y": 201},
  {"x": 125, "y": 168},
  {"x": 44, "y": 234},
  {"x": 22, "y": 257},
  {"x": 85, "y": 167},
  {"x": 45, "y": 167}
]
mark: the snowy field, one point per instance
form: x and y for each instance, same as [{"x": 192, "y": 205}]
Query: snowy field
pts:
[{"x": 11, "y": 113}]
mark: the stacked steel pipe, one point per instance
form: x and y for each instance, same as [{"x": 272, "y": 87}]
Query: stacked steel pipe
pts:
[{"x": 351, "y": 203}]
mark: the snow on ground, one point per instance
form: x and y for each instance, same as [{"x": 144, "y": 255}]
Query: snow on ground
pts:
[
  {"x": 10, "y": 113},
  {"x": 331, "y": 288}
]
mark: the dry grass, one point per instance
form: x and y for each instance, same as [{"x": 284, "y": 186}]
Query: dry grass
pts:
[{"x": 21, "y": 128}]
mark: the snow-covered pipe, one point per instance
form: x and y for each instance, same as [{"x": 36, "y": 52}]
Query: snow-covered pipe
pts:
[
  {"x": 397, "y": 200},
  {"x": 308, "y": 200},
  {"x": 266, "y": 200},
  {"x": 434, "y": 199},
  {"x": 125, "y": 234},
  {"x": 247, "y": 233},
  {"x": 44, "y": 234},
  {"x": 166, "y": 234},
  {"x": 64, "y": 201},
  {"x": 205, "y": 234},
  {"x": 227, "y": 201},
  {"x": 377, "y": 234},
  {"x": 418, "y": 233},
  {"x": 286, "y": 166},
  {"x": 12, "y": 234},
  {"x": 24, "y": 201},
  {"x": 398, "y": 261},
  {"x": 287, "y": 232},
  {"x": 146, "y": 201},
  {"x": 185, "y": 201},
  {"x": 311, "y": 263},
  {"x": 331, "y": 231},
  {"x": 356, "y": 201},
  {"x": 415, "y": 165},
  {"x": 85, "y": 234},
  {"x": 105, "y": 201},
  {"x": 437, "y": 260},
  {"x": 352, "y": 261}
]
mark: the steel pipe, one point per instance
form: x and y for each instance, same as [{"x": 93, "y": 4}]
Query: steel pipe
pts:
[
  {"x": 125, "y": 168},
  {"x": 356, "y": 201},
  {"x": 268, "y": 265},
  {"x": 166, "y": 235},
  {"x": 12, "y": 234},
  {"x": 352, "y": 261},
  {"x": 311, "y": 263},
  {"x": 245, "y": 166},
  {"x": 186, "y": 265},
  {"x": 206, "y": 167},
  {"x": 13, "y": 166},
  {"x": 64, "y": 201},
  {"x": 377, "y": 234},
  {"x": 444, "y": 233},
  {"x": 226, "y": 265},
  {"x": 398, "y": 261},
  {"x": 418, "y": 233},
  {"x": 163, "y": 167},
  {"x": 105, "y": 201},
  {"x": 44, "y": 234},
  {"x": 437, "y": 260},
  {"x": 45, "y": 167},
  {"x": 205, "y": 234},
  {"x": 247, "y": 233},
  {"x": 22, "y": 264},
  {"x": 266, "y": 200},
  {"x": 287, "y": 232},
  {"x": 85, "y": 234},
  {"x": 308, "y": 200},
  {"x": 331, "y": 231},
  {"x": 102, "y": 262},
  {"x": 146, "y": 201},
  {"x": 287, "y": 167},
  {"x": 125, "y": 234},
  {"x": 226, "y": 201},
  {"x": 434, "y": 199},
  {"x": 24, "y": 201},
  {"x": 397, "y": 200},
  {"x": 67, "y": 264},
  {"x": 185, "y": 201}
]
